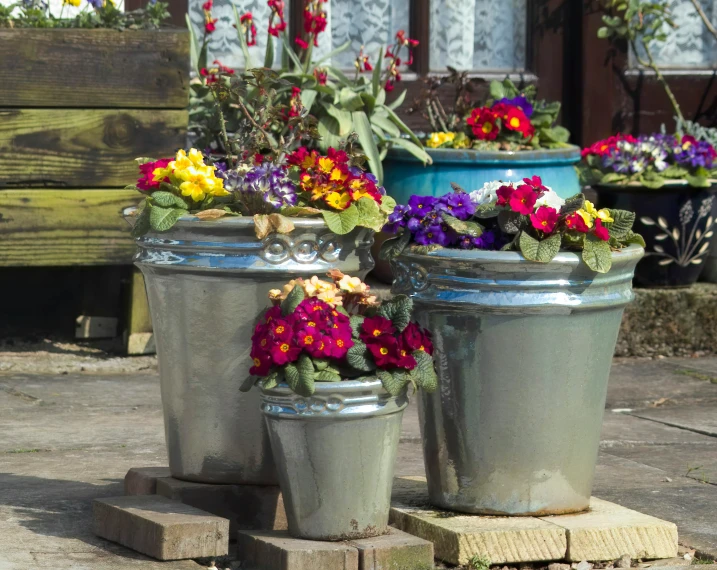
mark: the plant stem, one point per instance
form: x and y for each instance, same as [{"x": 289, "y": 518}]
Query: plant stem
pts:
[
  {"x": 710, "y": 27},
  {"x": 661, "y": 78},
  {"x": 223, "y": 126},
  {"x": 254, "y": 123}
]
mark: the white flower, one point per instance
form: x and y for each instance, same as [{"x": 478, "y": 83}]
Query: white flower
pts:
[
  {"x": 488, "y": 194},
  {"x": 551, "y": 199}
]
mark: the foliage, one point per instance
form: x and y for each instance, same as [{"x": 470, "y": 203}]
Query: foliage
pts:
[
  {"x": 94, "y": 14},
  {"x": 478, "y": 562},
  {"x": 341, "y": 105},
  {"x": 650, "y": 160},
  {"x": 320, "y": 331},
  {"x": 529, "y": 218},
  {"x": 511, "y": 118}
]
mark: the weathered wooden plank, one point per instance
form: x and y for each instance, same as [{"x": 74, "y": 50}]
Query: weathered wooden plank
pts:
[
  {"x": 83, "y": 148},
  {"x": 94, "y": 68},
  {"x": 65, "y": 227}
]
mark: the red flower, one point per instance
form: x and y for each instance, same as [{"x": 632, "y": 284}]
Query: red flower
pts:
[
  {"x": 272, "y": 314},
  {"x": 606, "y": 146},
  {"x": 247, "y": 21},
  {"x": 274, "y": 30},
  {"x": 207, "y": 6},
  {"x": 544, "y": 219},
  {"x": 338, "y": 156},
  {"x": 385, "y": 351},
  {"x": 284, "y": 352},
  {"x": 301, "y": 43},
  {"x": 523, "y": 199},
  {"x": 402, "y": 39},
  {"x": 601, "y": 231},
  {"x": 575, "y": 222},
  {"x": 281, "y": 330},
  {"x": 258, "y": 158},
  {"x": 321, "y": 76},
  {"x": 374, "y": 327},
  {"x": 389, "y": 86},
  {"x": 340, "y": 343},
  {"x": 405, "y": 359},
  {"x": 412, "y": 337},
  {"x": 367, "y": 65},
  {"x": 536, "y": 182},
  {"x": 147, "y": 182},
  {"x": 262, "y": 364},
  {"x": 516, "y": 120},
  {"x": 209, "y": 25},
  {"x": 307, "y": 338},
  {"x": 483, "y": 123},
  {"x": 504, "y": 194}
]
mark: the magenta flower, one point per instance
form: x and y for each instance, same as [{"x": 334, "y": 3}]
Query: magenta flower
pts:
[{"x": 523, "y": 200}]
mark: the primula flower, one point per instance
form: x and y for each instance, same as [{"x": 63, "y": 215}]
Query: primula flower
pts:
[
  {"x": 544, "y": 219},
  {"x": 374, "y": 327},
  {"x": 458, "y": 205},
  {"x": 281, "y": 329},
  {"x": 483, "y": 123},
  {"x": 385, "y": 352},
  {"x": 262, "y": 365},
  {"x": 437, "y": 140},
  {"x": 338, "y": 201},
  {"x": 523, "y": 200},
  {"x": 575, "y": 222},
  {"x": 352, "y": 284},
  {"x": 149, "y": 181},
  {"x": 504, "y": 194},
  {"x": 515, "y": 120},
  {"x": 284, "y": 352},
  {"x": 421, "y": 205},
  {"x": 601, "y": 231},
  {"x": 520, "y": 102}
]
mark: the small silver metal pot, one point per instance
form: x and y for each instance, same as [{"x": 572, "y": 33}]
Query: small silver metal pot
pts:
[
  {"x": 523, "y": 353},
  {"x": 207, "y": 283},
  {"x": 335, "y": 454}
]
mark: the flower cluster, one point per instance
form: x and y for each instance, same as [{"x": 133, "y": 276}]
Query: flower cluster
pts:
[
  {"x": 248, "y": 28},
  {"x": 526, "y": 216},
  {"x": 209, "y": 21},
  {"x": 331, "y": 180},
  {"x": 277, "y": 11},
  {"x": 212, "y": 74},
  {"x": 329, "y": 331},
  {"x": 394, "y": 56},
  {"x": 265, "y": 182},
  {"x": 188, "y": 173},
  {"x": 649, "y": 159},
  {"x": 314, "y": 23},
  {"x": 505, "y": 116}
]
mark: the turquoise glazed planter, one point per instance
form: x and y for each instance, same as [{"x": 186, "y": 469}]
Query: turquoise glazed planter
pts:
[{"x": 405, "y": 175}]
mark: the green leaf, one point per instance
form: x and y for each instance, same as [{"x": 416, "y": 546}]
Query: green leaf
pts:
[
  {"x": 401, "y": 125},
  {"x": 572, "y": 204},
  {"x": 392, "y": 248},
  {"x": 320, "y": 364},
  {"x": 248, "y": 384},
  {"x": 168, "y": 200},
  {"x": 341, "y": 222},
  {"x": 289, "y": 51},
  {"x": 369, "y": 214},
  {"x": 541, "y": 251},
  {"x": 385, "y": 124},
  {"x": 697, "y": 181},
  {"x": 613, "y": 177},
  {"x": 369, "y": 102},
  {"x": 327, "y": 376},
  {"x": 293, "y": 299},
  {"x": 308, "y": 96},
  {"x": 356, "y": 321},
  {"x": 360, "y": 358},
  {"x": 497, "y": 91},
  {"x": 342, "y": 48},
  {"x": 414, "y": 149},
  {"x": 271, "y": 381},
  {"x": 141, "y": 225},
  {"x": 466, "y": 228},
  {"x": 394, "y": 384},
  {"x": 398, "y": 101},
  {"x": 305, "y": 367},
  {"x": 376, "y": 76},
  {"x": 622, "y": 224},
  {"x": 338, "y": 74},
  {"x": 425, "y": 371},
  {"x": 269, "y": 53},
  {"x": 556, "y": 134},
  {"x": 603, "y": 33},
  {"x": 329, "y": 130},
  {"x": 368, "y": 144},
  {"x": 398, "y": 310},
  {"x": 674, "y": 171},
  {"x": 162, "y": 219},
  {"x": 291, "y": 372},
  {"x": 596, "y": 254},
  {"x": 633, "y": 237},
  {"x": 248, "y": 61},
  {"x": 652, "y": 180},
  {"x": 388, "y": 205},
  {"x": 193, "y": 45},
  {"x": 343, "y": 117}
]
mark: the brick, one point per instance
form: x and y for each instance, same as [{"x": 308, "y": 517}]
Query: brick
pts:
[
  {"x": 248, "y": 507},
  {"x": 609, "y": 531},
  {"x": 143, "y": 480},
  {"x": 276, "y": 550},
  {"x": 394, "y": 551},
  {"x": 160, "y": 528}
]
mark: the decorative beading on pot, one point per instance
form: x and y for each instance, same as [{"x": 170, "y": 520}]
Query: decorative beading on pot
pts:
[
  {"x": 207, "y": 283},
  {"x": 523, "y": 353}
]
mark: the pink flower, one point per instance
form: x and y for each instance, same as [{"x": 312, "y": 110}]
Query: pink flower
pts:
[
  {"x": 523, "y": 199},
  {"x": 301, "y": 43},
  {"x": 601, "y": 231},
  {"x": 284, "y": 352},
  {"x": 504, "y": 194},
  {"x": 544, "y": 219},
  {"x": 147, "y": 181},
  {"x": 374, "y": 327},
  {"x": 262, "y": 364},
  {"x": 575, "y": 222}
]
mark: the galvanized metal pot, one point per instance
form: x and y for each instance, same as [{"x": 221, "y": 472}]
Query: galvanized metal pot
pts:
[
  {"x": 335, "y": 454},
  {"x": 207, "y": 283},
  {"x": 523, "y": 354}
]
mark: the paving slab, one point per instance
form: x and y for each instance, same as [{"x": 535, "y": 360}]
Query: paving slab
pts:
[
  {"x": 394, "y": 551},
  {"x": 457, "y": 538},
  {"x": 626, "y": 430},
  {"x": 161, "y": 528},
  {"x": 276, "y": 550},
  {"x": 696, "y": 461},
  {"x": 699, "y": 419},
  {"x": 609, "y": 531},
  {"x": 143, "y": 480},
  {"x": 247, "y": 507}
]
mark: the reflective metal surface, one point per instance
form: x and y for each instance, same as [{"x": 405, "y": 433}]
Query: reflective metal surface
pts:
[
  {"x": 523, "y": 353},
  {"x": 335, "y": 454},
  {"x": 207, "y": 284}
]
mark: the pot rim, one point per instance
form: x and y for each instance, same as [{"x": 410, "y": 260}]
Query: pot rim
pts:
[
  {"x": 553, "y": 156},
  {"x": 628, "y": 253}
]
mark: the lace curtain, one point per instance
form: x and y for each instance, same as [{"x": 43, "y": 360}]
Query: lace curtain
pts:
[
  {"x": 690, "y": 45},
  {"x": 478, "y": 34},
  {"x": 368, "y": 23}
]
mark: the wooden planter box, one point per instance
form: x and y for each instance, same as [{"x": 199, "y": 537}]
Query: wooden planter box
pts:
[{"x": 76, "y": 108}]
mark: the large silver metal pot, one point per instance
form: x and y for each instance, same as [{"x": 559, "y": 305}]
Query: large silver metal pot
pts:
[
  {"x": 523, "y": 354},
  {"x": 335, "y": 453},
  {"x": 207, "y": 283}
]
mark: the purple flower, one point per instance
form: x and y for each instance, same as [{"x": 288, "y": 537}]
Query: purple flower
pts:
[
  {"x": 266, "y": 184},
  {"x": 432, "y": 235},
  {"x": 397, "y": 219},
  {"x": 421, "y": 205},
  {"x": 521, "y": 102},
  {"x": 97, "y": 4},
  {"x": 695, "y": 154},
  {"x": 458, "y": 205}
]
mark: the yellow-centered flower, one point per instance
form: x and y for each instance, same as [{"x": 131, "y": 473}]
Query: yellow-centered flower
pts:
[
  {"x": 438, "y": 139},
  {"x": 338, "y": 201}
]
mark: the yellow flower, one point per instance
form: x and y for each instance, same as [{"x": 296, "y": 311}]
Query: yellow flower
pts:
[
  {"x": 605, "y": 216},
  {"x": 320, "y": 191},
  {"x": 352, "y": 284},
  {"x": 74, "y": 3},
  {"x": 338, "y": 176},
  {"x": 314, "y": 286},
  {"x": 587, "y": 218},
  {"x": 326, "y": 164},
  {"x": 331, "y": 297},
  {"x": 338, "y": 201},
  {"x": 438, "y": 139},
  {"x": 200, "y": 181}
]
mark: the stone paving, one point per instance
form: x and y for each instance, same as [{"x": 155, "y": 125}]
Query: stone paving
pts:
[{"x": 66, "y": 439}]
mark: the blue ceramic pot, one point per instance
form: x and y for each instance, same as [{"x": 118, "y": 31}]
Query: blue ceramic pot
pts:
[{"x": 405, "y": 175}]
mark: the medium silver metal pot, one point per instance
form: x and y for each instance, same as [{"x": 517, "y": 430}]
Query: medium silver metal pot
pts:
[
  {"x": 207, "y": 283},
  {"x": 523, "y": 353},
  {"x": 335, "y": 454}
]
